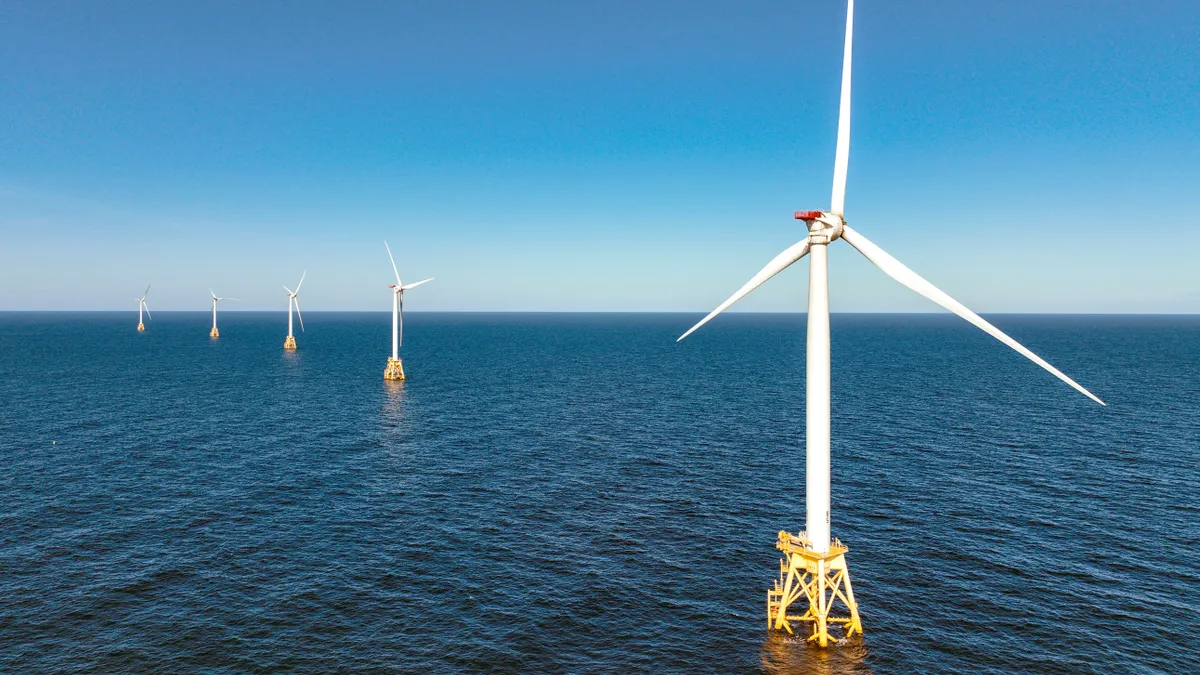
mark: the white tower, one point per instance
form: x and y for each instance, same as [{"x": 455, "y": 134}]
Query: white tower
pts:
[
  {"x": 143, "y": 306},
  {"x": 394, "y": 370},
  {"x": 814, "y": 565},
  {"x": 214, "y": 332},
  {"x": 294, "y": 301}
]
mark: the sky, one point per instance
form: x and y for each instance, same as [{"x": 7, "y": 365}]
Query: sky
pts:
[{"x": 1024, "y": 156}]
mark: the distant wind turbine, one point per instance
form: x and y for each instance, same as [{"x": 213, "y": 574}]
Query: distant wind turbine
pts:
[
  {"x": 143, "y": 306},
  {"x": 395, "y": 369},
  {"x": 294, "y": 300},
  {"x": 815, "y": 565},
  {"x": 215, "y": 299}
]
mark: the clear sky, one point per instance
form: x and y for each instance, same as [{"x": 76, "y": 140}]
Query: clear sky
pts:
[{"x": 1025, "y": 155}]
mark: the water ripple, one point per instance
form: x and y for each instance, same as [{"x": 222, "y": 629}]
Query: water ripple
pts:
[{"x": 578, "y": 493}]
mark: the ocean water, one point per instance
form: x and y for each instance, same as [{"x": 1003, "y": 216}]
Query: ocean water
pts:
[{"x": 579, "y": 493}]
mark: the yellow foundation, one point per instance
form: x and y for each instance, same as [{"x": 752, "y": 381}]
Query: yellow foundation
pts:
[
  {"x": 394, "y": 370},
  {"x": 289, "y": 343},
  {"x": 821, "y": 579},
  {"x": 141, "y": 326},
  {"x": 213, "y": 332}
]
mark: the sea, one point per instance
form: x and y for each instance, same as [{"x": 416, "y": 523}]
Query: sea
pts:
[{"x": 578, "y": 493}]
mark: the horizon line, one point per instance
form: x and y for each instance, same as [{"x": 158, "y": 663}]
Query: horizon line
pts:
[{"x": 555, "y": 311}]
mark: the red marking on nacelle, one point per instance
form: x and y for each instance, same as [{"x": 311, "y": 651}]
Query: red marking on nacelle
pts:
[{"x": 808, "y": 215}]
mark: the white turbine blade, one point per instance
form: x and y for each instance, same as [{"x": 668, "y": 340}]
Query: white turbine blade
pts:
[
  {"x": 842, "y": 161},
  {"x": 389, "y": 250},
  {"x": 780, "y": 263},
  {"x": 301, "y": 281},
  {"x": 415, "y": 284},
  {"x": 213, "y": 294},
  {"x": 898, "y": 271},
  {"x": 147, "y": 292},
  {"x": 147, "y": 308},
  {"x": 290, "y": 293},
  {"x": 297, "y": 301}
]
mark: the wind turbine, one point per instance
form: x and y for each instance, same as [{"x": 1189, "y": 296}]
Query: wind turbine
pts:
[
  {"x": 213, "y": 332},
  {"x": 815, "y": 565},
  {"x": 395, "y": 369},
  {"x": 143, "y": 306},
  {"x": 294, "y": 299}
]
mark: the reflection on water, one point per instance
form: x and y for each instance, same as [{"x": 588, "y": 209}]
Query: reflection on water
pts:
[
  {"x": 791, "y": 654},
  {"x": 391, "y": 412}
]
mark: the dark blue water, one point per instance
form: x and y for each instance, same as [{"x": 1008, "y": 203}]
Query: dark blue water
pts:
[{"x": 578, "y": 493}]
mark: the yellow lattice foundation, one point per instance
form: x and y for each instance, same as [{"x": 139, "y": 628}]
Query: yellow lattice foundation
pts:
[
  {"x": 289, "y": 343},
  {"x": 394, "y": 370},
  {"x": 141, "y": 326},
  {"x": 213, "y": 332},
  {"x": 821, "y": 578}
]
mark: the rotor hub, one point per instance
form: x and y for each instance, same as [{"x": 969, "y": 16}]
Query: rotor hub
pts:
[{"x": 823, "y": 227}]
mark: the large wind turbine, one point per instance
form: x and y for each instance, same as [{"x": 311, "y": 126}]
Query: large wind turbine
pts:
[
  {"x": 213, "y": 332},
  {"x": 294, "y": 300},
  {"x": 143, "y": 306},
  {"x": 395, "y": 369},
  {"x": 815, "y": 565}
]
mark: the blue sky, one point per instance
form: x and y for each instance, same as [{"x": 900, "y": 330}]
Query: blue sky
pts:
[{"x": 1025, "y": 156}]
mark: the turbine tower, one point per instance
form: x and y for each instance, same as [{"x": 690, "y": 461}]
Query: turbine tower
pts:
[
  {"x": 395, "y": 369},
  {"x": 294, "y": 300},
  {"x": 213, "y": 332},
  {"x": 814, "y": 565},
  {"x": 143, "y": 306}
]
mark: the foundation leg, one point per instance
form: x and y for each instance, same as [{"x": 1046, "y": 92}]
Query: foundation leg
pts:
[{"x": 822, "y": 606}]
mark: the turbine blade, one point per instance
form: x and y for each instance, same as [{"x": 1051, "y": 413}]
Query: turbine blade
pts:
[
  {"x": 415, "y": 284},
  {"x": 780, "y": 263},
  {"x": 301, "y": 281},
  {"x": 290, "y": 293},
  {"x": 213, "y": 294},
  {"x": 147, "y": 292},
  {"x": 147, "y": 308},
  {"x": 389, "y": 250},
  {"x": 898, "y": 271},
  {"x": 298, "y": 316},
  {"x": 841, "y": 162}
]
